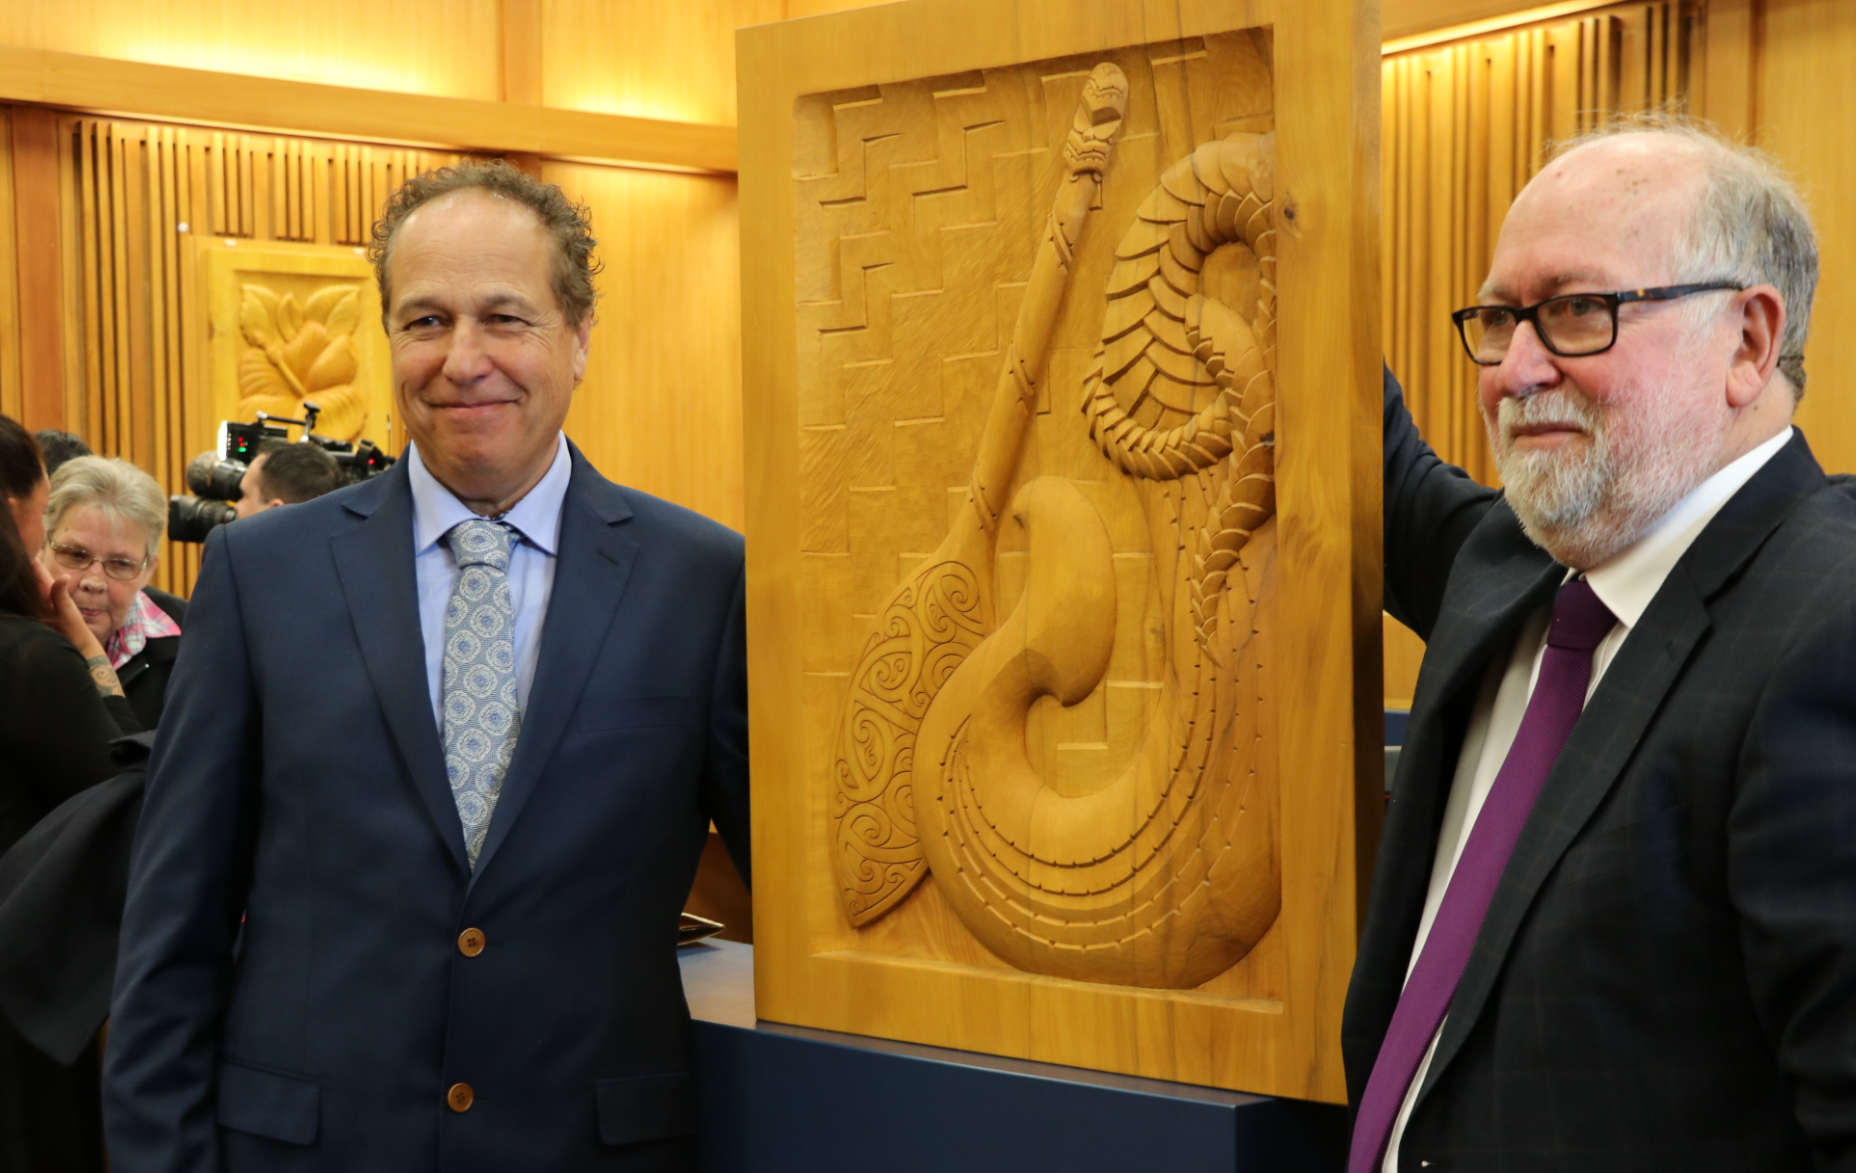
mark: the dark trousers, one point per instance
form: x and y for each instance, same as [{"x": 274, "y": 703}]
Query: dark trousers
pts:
[{"x": 51, "y": 1116}]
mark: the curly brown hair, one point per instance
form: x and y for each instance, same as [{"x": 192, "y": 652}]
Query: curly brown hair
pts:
[{"x": 567, "y": 223}]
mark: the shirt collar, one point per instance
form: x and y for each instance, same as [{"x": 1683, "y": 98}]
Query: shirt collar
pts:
[
  {"x": 145, "y": 621},
  {"x": 537, "y": 516},
  {"x": 1630, "y": 578}
]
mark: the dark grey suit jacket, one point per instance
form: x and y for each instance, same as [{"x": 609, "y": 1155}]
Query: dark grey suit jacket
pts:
[{"x": 1666, "y": 979}]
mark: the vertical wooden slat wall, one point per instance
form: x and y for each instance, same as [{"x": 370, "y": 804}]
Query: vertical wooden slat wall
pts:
[
  {"x": 1466, "y": 124},
  {"x": 133, "y": 192}
]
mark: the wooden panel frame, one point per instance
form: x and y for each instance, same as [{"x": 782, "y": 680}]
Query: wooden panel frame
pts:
[
  {"x": 225, "y": 266},
  {"x": 1328, "y": 478},
  {"x": 105, "y": 85}
]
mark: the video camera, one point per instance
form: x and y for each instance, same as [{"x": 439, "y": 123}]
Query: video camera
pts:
[{"x": 217, "y": 478}]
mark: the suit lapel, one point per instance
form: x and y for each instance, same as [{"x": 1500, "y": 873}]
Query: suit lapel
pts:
[
  {"x": 593, "y": 563},
  {"x": 1501, "y": 578},
  {"x": 374, "y": 563},
  {"x": 1620, "y": 710}
]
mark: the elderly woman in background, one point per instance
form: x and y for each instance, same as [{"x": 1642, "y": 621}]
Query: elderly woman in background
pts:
[
  {"x": 104, "y": 520},
  {"x": 60, "y": 707}
]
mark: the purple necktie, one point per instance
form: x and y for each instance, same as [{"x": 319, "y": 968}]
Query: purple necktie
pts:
[{"x": 1580, "y": 621}]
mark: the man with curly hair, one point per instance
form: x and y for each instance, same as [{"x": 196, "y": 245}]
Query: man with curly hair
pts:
[{"x": 439, "y": 759}]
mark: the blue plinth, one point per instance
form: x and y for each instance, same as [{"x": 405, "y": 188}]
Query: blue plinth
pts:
[{"x": 779, "y": 1098}]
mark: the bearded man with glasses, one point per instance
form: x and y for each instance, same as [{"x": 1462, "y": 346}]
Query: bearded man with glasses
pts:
[{"x": 1613, "y": 921}]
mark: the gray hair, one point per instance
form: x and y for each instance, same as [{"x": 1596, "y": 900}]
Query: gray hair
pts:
[
  {"x": 1750, "y": 225},
  {"x": 114, "y": 486}
]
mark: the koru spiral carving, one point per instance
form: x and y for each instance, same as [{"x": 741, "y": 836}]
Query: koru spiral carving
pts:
[{"x": 1166, "y": 875}]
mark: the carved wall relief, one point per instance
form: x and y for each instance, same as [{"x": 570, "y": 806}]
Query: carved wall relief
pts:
[
  {"x": 302, "y": 352},
  {"x": 292, "y": 323},
  {"x": 1055, "y": 717}
]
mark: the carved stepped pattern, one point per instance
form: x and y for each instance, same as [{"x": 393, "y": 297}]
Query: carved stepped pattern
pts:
[{"x": 1158, "y": 868}]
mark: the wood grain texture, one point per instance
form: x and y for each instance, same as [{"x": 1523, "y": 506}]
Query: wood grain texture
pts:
[
  {"x": 842, "y": 466},
  {"x": 236, "y": 100},
  {"x": 660, "y": 409},
  {"x": 440, "y": 47},
  {"x": 523, "y": 60},
  {"x": 36, "y": 247},
  {"x": 657, "y": 60},
  {"x": 1806, "y": 108}
]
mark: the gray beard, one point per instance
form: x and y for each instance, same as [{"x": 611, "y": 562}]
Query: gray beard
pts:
[{"x": 1589, "y": 500}]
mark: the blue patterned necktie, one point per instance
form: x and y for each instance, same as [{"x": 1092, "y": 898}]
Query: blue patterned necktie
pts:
[{"x": 481, "y": 714}]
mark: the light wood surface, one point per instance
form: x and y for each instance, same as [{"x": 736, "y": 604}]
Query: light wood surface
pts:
[
  {"x": 660, "y": 409},
  {"x": 291, "y": 324},
  {"x": 917, "y": 212},
  {"x": 441, "y": 47},
  {"x": 673, "y": 61},
  {"x": 43, "y": 333},
  {"x": 12, "y": 402},
  {"x": 1806, "y": 112},
  {"x": 235, "y": 100}
]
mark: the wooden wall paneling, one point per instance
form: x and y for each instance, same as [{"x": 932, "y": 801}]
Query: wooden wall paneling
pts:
[
  {"x": 673, "y": 61},
  {"x": 93, "y": 298},
  {"x": 12, "y": 402},
  {"x": 523, "y": 58},
  {"x": 442, "y": 47},
  {"x": 1807, "y": 106},
  {"x": 660, "y": 408},
  {"x": 39, "y": 240},
  {"x": 240, "y": 100},
  {"x": 1723, "y": 72}
]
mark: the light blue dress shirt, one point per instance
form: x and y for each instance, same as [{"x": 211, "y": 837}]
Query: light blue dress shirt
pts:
[{"x": 536, "y": 518}]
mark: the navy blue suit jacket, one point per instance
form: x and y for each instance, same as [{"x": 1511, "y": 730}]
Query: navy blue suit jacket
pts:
[{"x": 291, "y": 993}]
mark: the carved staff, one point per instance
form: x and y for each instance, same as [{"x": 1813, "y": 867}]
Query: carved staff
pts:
[{"x": 942, "y": 610}]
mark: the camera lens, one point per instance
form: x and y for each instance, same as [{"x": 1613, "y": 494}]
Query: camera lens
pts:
[
  {"x": 190, "y": 519},
  {"x": 209, "y": 476}
]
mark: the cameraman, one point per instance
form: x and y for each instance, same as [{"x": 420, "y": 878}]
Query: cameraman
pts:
[{"x": 286, "y": 474}]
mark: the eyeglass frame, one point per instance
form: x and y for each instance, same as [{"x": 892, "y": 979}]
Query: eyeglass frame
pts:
[
  {"x": 1612, "y": 301},
  {"x": 59, "y": 553}
]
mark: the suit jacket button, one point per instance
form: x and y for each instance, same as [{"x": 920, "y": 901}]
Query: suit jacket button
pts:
[
  {"x": 460, "y": 1097},
  {"x": 470, "y": 943}
]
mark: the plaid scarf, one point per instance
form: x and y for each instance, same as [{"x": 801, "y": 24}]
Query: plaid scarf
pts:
[{"x": 144, "y": 622}]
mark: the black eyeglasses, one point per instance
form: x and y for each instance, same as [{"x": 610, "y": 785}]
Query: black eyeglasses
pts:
[{"x": 1571, "y": 326}]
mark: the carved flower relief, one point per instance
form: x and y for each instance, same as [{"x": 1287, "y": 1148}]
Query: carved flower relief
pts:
[{"x": 301, "y": 351}]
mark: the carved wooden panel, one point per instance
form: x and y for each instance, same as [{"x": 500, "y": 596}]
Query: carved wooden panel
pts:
[
  {"x": 296, "y": 324},
  {"x": 1021, "y": 440}
]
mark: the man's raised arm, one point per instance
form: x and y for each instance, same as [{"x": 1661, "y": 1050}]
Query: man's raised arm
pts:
[{"x": 1430, "y": 509}]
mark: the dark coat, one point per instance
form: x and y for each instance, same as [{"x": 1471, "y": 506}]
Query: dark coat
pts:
[
  {"x": 299, "y": 781},
  {"x": 1666, "y": 978},
  {"x": 144, "y": 676},
  {"x": 55, "y": 734},
  {"x": 61, "y": 896}
]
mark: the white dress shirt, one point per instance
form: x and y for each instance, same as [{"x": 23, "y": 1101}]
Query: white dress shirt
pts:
[
  {"x": 1625, "y": 583},
  {"x": 536, "y": 519}
]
